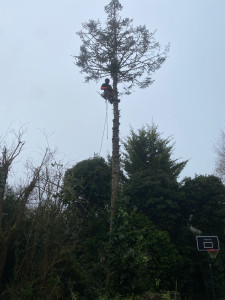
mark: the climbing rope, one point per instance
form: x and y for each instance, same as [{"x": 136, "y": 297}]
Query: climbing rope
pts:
[
  {"x": 103, "y": 134},
  {"x": 105, "y": 126}
]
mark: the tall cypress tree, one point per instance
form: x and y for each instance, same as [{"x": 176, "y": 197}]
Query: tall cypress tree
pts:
[
  {"x": 129, "y": 55},
  {"x": 152, "y": 174}
]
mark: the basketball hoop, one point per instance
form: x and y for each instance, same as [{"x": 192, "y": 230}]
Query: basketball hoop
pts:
[
  {"x": 211, "y": 245},
  {"x": 208, "y": 243},
  {"x": 212, "y": 253}
]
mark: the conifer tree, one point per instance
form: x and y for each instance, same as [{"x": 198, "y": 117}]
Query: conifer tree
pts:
[
  {"x": 152, "y": 173},
  {"x": 129, "y": 56}
]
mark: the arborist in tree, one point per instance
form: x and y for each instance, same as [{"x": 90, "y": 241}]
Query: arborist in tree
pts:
[{"x": 108, "y": 91}]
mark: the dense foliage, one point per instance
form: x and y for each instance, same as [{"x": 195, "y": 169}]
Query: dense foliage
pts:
[
  {"x": 152, "y": 174},
  {"x": 61, "y": 249}
]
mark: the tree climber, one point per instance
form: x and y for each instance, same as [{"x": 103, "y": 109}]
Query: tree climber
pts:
[{"x": 108, "y": 91}]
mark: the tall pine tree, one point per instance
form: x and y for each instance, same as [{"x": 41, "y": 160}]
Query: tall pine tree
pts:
[{"x": 129, "y": 55}]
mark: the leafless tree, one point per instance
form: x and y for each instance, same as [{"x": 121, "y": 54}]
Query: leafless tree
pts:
[
  {"x": 8, "y": 155},
  {"x": 219, "y": 149}
]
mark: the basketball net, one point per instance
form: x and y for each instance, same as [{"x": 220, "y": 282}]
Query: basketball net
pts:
[{"x": 212, "y": 253}]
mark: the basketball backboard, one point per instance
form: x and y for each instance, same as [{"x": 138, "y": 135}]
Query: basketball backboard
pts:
[{"x": 206, "y": 243}]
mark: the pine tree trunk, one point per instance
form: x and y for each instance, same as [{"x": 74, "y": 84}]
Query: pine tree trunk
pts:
[
  {"x": 115, "y": 157},
  {"x": 115, "y": 169}
]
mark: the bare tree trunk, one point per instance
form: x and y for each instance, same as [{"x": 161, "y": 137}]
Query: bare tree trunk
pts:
[
  {"x": 115, "y": 168},
  {"x": 4, "y": 170},
  {"x": 3, "y": 254},
  {"x": 115, "y": 156}
]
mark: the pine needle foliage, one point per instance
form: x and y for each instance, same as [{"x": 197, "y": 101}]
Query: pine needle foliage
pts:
[{"x": 128, "y": 54}]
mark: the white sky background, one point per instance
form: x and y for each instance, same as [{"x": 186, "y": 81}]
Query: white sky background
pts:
[{"x": 42, "y": 90}]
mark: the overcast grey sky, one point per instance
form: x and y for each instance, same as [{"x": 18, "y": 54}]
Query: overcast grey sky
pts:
[{"x": 42, "y": 89}]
